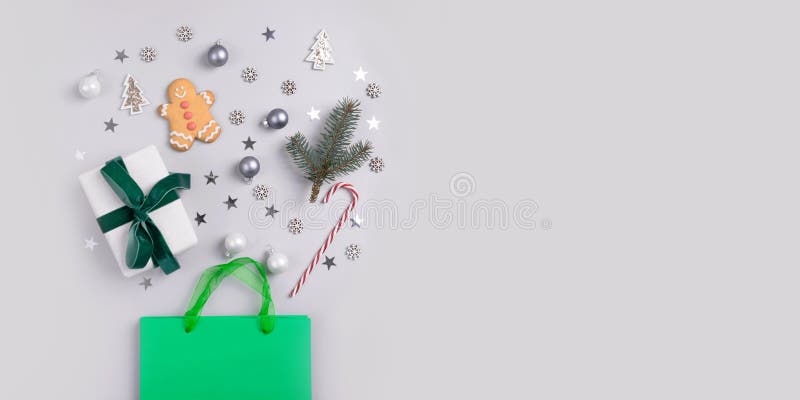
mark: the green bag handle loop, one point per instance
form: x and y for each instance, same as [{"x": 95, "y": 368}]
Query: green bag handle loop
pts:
[{"x": 213, "y": 276}]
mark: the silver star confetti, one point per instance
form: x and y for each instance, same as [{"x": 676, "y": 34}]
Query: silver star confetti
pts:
[
  {"x": 248, "y": 144},
  {"x": 374, "y": 123},
  {"x": 361, "y": 75},
  {"x": 121, "y": 56},
  {"x": 90, "y": 243},
  {"x": 269, "y": 34},
  {"x": 146, "y": 283},
  {"x": 313, "y": 114},
  {"x": 271, "y": 211},
  {"x": 111, "y": 125},
  {"x": 355, "y": 221},
  {"x": 329, "y": 262},
  {"x": 231, "y": 202}
]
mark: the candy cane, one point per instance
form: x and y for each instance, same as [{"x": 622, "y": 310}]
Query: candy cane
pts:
[{"x": 334, "y": 231}]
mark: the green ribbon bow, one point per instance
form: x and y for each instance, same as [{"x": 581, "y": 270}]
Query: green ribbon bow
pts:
[
  {"x": 145, "y": 241},
  {"x": 213, "y": 276}
]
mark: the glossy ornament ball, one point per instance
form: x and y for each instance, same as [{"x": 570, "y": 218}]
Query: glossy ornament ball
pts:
[
  {"x": 89, "y": 86},
  {"x": 277, "y": 263},
  {"x": 234, "y": 243},
  {"x": 249, "y": 167},
  {"x": 217, "y": 55},
  {"x": 276, "y": 119}
]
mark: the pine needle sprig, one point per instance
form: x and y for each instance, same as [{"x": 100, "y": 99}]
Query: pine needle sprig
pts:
[{"x": 335, "y": 154}]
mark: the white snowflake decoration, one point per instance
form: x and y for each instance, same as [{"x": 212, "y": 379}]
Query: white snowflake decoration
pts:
[
  {"x": 353, "y": 252},
  {"x": 236, "y": 117},
  {"x": 373, "y": 90},
  {"x": 295, "y": 225},
  {"x": 321, "y": 52},
  {"x": 376, "y": 164},
  {"x": 184, "y": 33},
  {"x": 261, "y": 192},
  {"x": 288, "y": 87},
  {"x": 148, "y": 54},
  {"x": 249, "y": 74}
]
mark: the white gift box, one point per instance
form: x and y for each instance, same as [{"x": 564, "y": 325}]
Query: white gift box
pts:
[{"x": 146, "y": 168}]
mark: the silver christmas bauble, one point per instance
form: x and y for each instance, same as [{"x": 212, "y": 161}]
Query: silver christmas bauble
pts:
[
  {"x": 249, "y": 167},
  {"x": 89, "y": 86},
  {"x": 217, "y": 55},
  {"x": 234, "y": 243},
  {"x": 276, "y": 119},
  {"x": 277, "y": 263}
]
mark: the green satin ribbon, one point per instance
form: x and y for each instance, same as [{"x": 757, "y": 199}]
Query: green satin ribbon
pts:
[
  {"x": 213, "y": 276},
  {"x": 145, "y": 241}
]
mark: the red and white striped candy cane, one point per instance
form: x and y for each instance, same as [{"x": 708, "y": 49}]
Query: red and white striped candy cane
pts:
[{"x": 334, "y": 231}]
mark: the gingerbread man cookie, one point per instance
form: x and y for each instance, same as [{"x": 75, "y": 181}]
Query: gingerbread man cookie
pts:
[{"x": 189, "y": 115}]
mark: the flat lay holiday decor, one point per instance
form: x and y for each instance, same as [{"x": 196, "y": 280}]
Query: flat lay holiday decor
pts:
[
  {"x": 326, "y": 199},
  {"x": 147, "y": 225}
]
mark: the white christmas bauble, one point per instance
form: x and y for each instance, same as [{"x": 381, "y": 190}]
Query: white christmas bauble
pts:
[
  {"x": 277, "y": 263},
  {"x": 89, "y": 86},
  {"x": 234, "y": 243}
]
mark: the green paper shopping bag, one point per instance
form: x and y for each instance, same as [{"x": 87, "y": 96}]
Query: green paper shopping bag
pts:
[{"x": 261, "y": 357}]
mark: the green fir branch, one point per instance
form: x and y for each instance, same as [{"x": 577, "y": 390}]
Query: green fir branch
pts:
[
  {"x": 339, "y": 129},
  {"x": 334, "y": 155},
  {"x": 300, "y": 151},
  {"x": 355, "y": 156}
]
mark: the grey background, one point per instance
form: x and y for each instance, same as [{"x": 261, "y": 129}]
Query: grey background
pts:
[{"x": 658, "y": 139}]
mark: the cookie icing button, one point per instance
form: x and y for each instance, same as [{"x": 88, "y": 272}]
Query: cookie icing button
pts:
[
  {"x": 184, "y": 104},
  {"x": 191, "y": 126},
  {"x": 187, "y": 115}
]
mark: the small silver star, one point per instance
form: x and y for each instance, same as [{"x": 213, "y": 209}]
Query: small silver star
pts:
[
  {"x": 200, "y": 219},
  {"x": 79, "y": 155},
  {"x": 355, "y": 221},
  {"x": 361, "y": 75},
  {"x": 248, "y": 144},
  {"x": 231, "y": 202},
  {"x": 121, "y": 56},
  {"x": 269, "y": 34},
  {"x": 313, "y": 114},
  {"x": 146, "y": 283},
  {"x": 211, "y": 178},
  {"x": 271, "y": 211},
  {"x": 110, "y": 125},
  {"x": 374, "y": 123},
  {"x": 329, "y": 262},
  {"x": 90, "y": 243}
]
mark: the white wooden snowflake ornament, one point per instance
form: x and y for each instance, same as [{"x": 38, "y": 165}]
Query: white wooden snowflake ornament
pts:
[
  {"x": 295, "y": 226},
  {"x": 261, "y": 192}
]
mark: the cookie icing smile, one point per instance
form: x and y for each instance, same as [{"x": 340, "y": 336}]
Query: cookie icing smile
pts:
[{"x": 182, "y": 90}]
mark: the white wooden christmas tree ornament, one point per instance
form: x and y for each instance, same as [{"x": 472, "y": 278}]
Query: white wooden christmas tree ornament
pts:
[{"x": 321, "y": 52}]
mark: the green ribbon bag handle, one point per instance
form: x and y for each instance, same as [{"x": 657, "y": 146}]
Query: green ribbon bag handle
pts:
[
  {"x": 212, "y": 277},
  {"x": 145, "y": 240}
]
